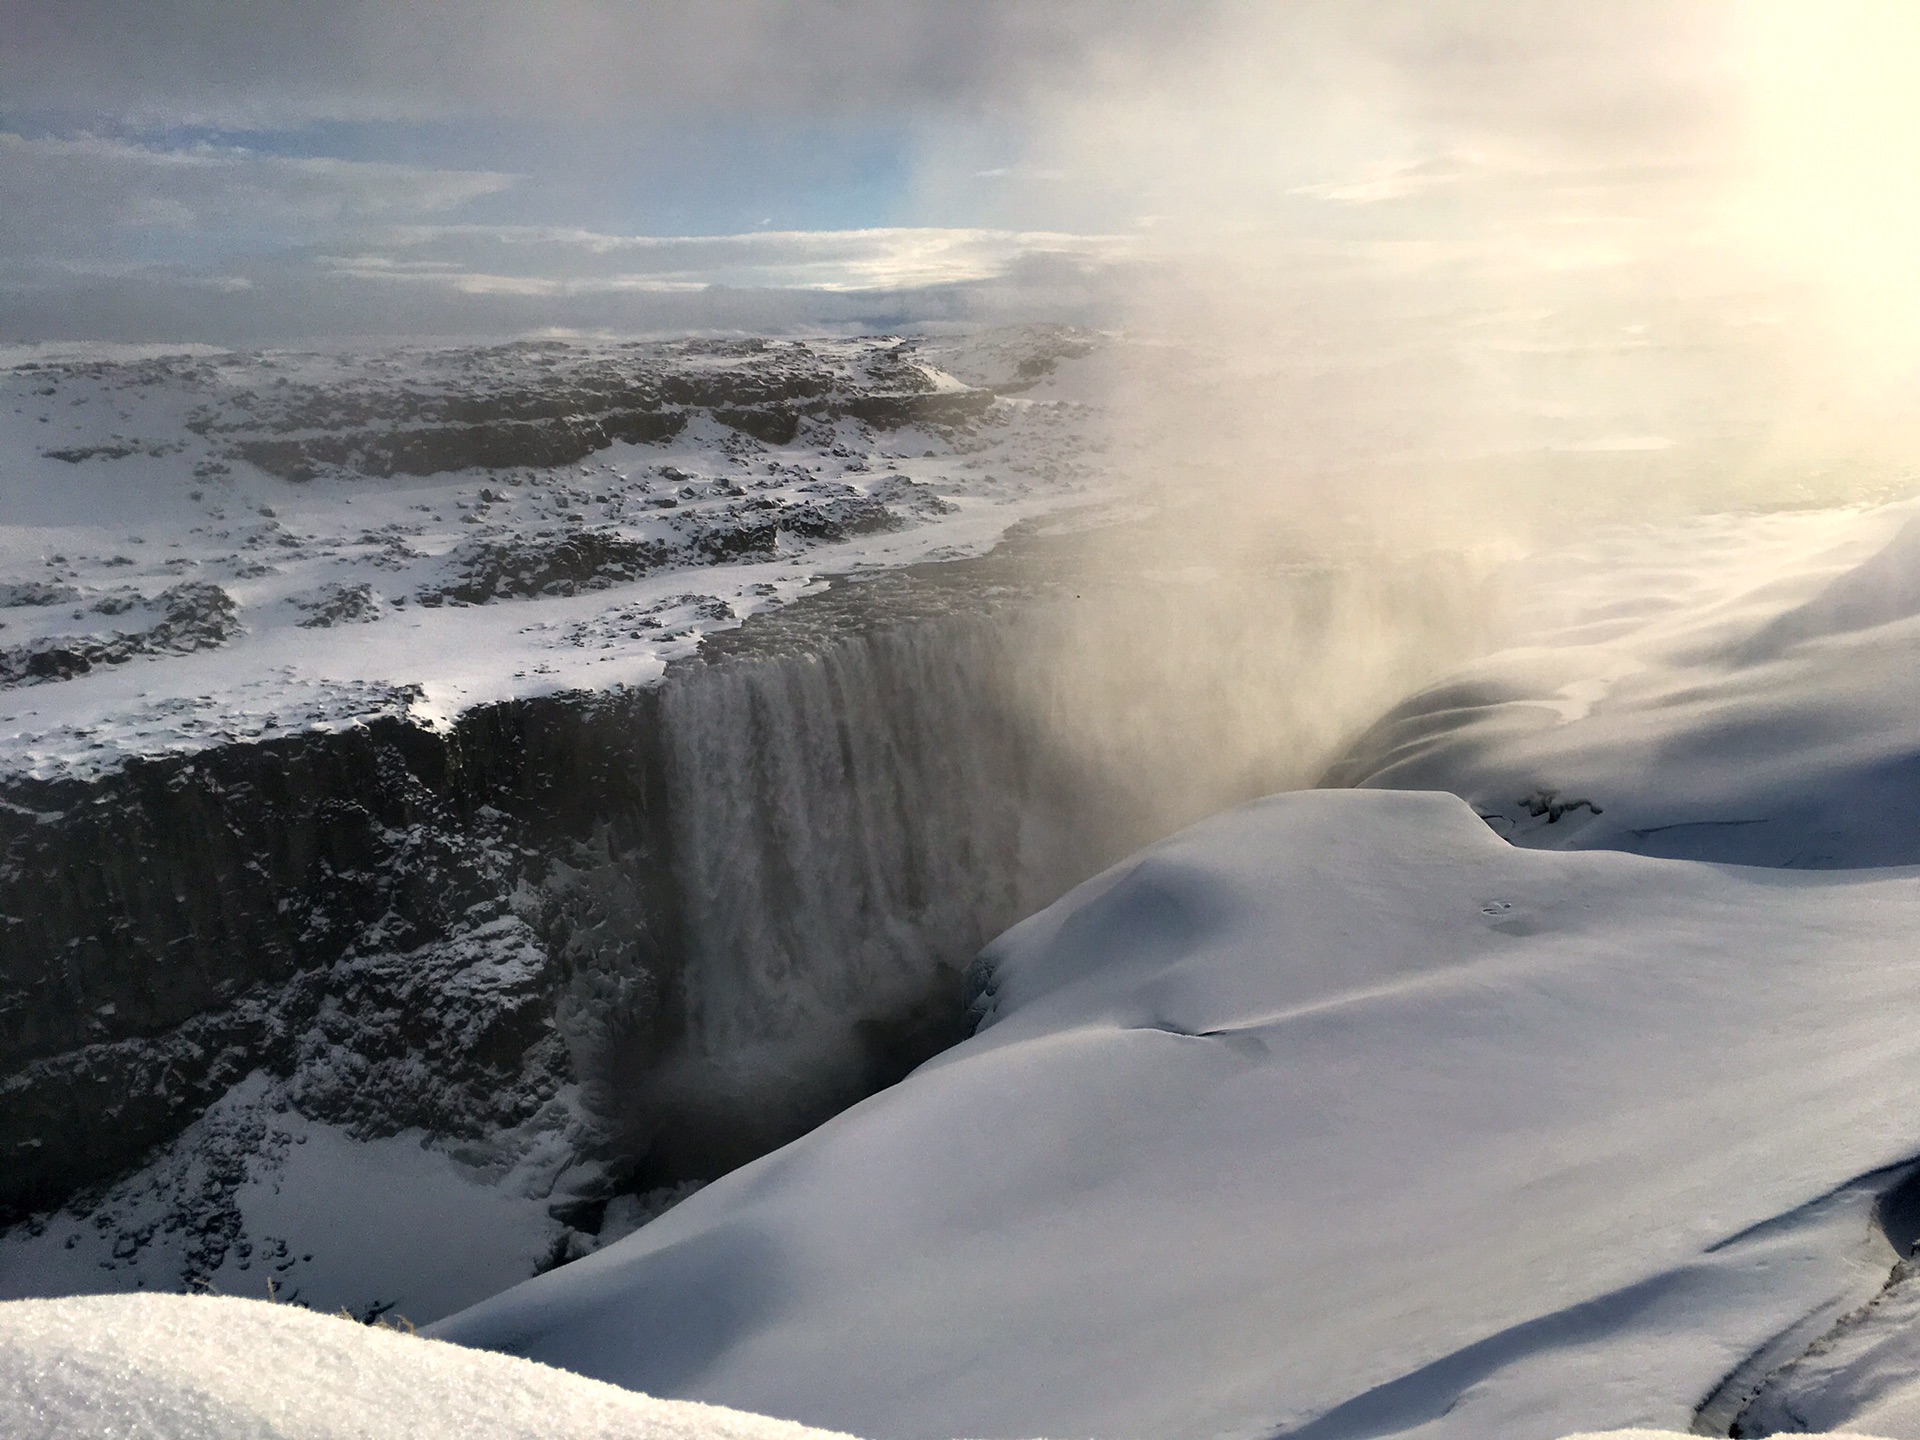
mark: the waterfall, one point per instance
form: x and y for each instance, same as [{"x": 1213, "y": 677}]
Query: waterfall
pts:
[
  {"x": 854, "y": 813},
  {"x": 595, "y": 943},
  {"x": 848, "y": 826}
]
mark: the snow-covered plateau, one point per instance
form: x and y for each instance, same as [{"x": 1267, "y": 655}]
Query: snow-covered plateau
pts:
[
  {"x": 320, "y": 539},
  {"x": 542, "y": 880}
]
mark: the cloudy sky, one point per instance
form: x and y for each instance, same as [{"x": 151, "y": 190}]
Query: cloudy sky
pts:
[
  {"x": 279, "y": 169},
  {"x": 282, "y": 165}
]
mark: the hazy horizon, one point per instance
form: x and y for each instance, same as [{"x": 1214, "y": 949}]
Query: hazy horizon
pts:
[{"x": 271, "y": 173}]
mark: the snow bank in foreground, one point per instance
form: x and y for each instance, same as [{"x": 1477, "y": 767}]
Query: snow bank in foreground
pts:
[
  {"x": 1334, "y": 1116},
  {"x": 175, "y": 1367}
]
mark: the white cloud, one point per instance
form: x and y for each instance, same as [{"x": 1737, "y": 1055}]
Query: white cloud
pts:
[
  {"x": 77, "y": 198},
  {"x": 547, "y": 261},
  {"x": 1396, "y": 182},
  {"x": 253, "y": 62}
]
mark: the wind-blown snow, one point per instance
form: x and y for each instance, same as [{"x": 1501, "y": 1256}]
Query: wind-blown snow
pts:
[
  {"x": 1335, "y": 1115},
  {"x": 178, "y": 1367},
  {"x": 1742, "y": 688}
]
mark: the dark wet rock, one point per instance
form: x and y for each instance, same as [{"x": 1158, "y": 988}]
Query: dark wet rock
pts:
[
  {"x": 192, "y": 616},
  {"x": 521, "y": 568},
  {"x": 487, "y": 445},
  {"x": 116, "y": 451},
  {"x": 36, "y": 592},
  {"x": 341, "y": 605},
  {"x": 750, "y": 533},
  {"x": 838, "y": 519},
  {"x": 92, "y": 452},
  {"x": 909, "y": 497},
  {"x": 579, "y": 561},
  {"x": 1546, "y": 800},
  {"x": 775, "y": 424},
  {"x": 478, "y": 408}
]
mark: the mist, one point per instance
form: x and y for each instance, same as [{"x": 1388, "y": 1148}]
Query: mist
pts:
[
  {"x": 1421, "y": 296},
  {"x": 1391, "y": 298}
]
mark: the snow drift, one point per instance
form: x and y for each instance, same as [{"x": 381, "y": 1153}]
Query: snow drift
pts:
[
  {"x": 154, "y": 1367},
  {"x": 177, "y": 1367},
  {"x": 1333, "y": 1116},
  {"x": 1740, "y": 689}
]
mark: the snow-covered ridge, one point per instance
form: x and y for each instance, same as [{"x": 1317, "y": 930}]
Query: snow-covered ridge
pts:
[
  {"x": 1741, "y": 688},
  {"x": 422, "y": 531}
]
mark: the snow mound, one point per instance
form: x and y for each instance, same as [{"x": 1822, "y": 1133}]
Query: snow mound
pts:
[
  {"x": 1864, "y": 1372},
  {"x": 179, "y": 1367},
  {"x": 1332, "y": 1117},
  {"x": 1883, "y": 590},
  {"x": 1757, "y": 702}
]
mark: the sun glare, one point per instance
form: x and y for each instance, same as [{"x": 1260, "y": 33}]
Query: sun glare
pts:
[{"x": 1834, "y": 188}]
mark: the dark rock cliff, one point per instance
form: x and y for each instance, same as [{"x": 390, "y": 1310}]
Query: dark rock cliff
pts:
[
  {"x": 171, "y": 926},
  {"x": 633, "y": 939}
]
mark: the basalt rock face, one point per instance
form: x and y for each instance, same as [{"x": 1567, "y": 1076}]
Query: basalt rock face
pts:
[
  {"x": 716, "y": 911},
  {"x": 179, "y": 923}
]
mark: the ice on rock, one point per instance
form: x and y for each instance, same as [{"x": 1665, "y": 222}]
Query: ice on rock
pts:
[{"x": 177, "y": 1367}]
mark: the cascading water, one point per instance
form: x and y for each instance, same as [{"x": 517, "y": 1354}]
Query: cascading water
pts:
[
  {"x": 848, "y": 828},
  {"x": 859, "y": 797},
  {"x": 598, "y": 945}
]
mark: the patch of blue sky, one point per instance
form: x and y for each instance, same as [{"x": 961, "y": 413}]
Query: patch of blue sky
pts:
[{"x": 647, "y": 176}]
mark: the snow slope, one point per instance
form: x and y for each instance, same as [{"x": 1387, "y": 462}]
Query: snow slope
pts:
[
  {"x": 153, "y": 1367},
  {"x": 1742, "y": 688},
  {"x": 1333, "y": 1116},
  {"x": 174, "y": 1367}
]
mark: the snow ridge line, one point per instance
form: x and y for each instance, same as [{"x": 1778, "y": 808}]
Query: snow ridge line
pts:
[
  {"x": 1765, "y": 1363},
  {"x": 1435, "y": 1389}
]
